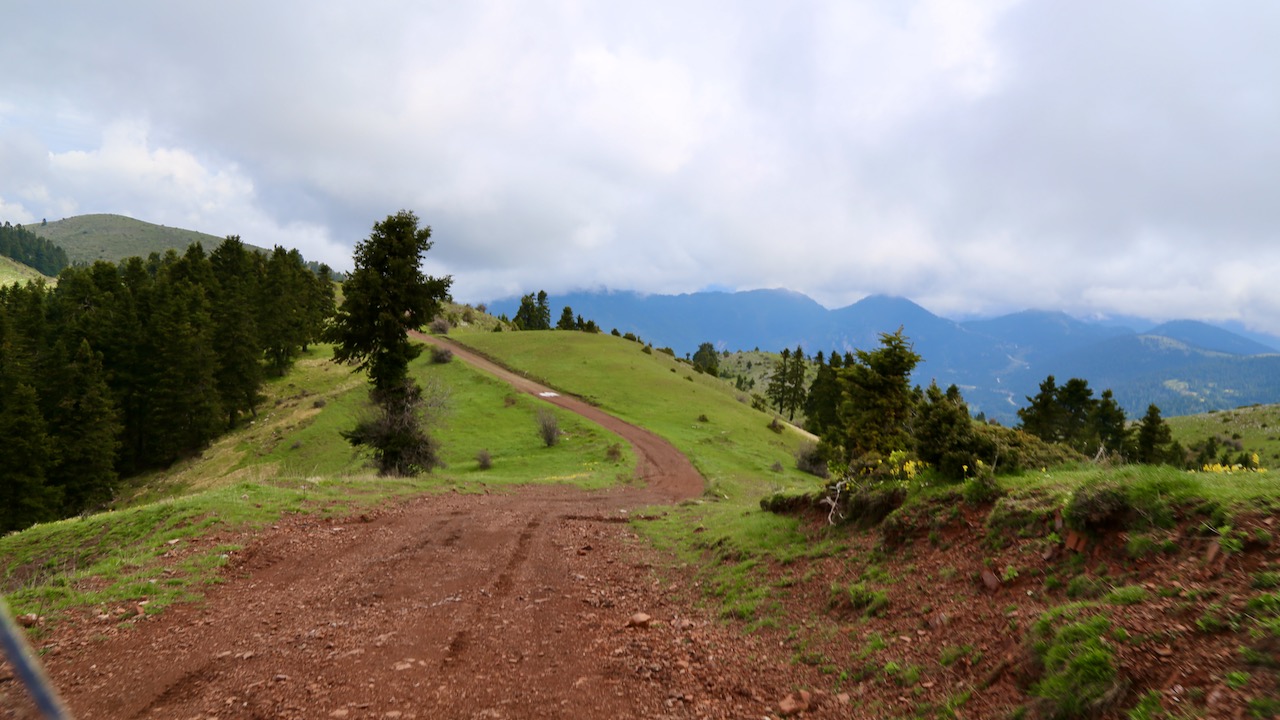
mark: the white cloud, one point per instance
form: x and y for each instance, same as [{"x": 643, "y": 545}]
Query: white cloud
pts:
[{"x": 980, "y": 155}]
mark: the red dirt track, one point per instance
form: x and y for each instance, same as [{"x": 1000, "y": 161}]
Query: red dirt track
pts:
[{"x": 514, "y": 605}]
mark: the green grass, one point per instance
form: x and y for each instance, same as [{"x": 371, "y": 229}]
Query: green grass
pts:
[
  {"x": 12, "y": 272},
  {"x": 114, "y": 557},
  {"x": 296, "y": 435},
  {"x": 733, "y": 449},
  {"x": 1153, "y": 488},
  {"x": 1257, "y": 428}
]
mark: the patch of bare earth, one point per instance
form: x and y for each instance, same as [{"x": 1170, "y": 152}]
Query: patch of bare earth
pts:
[{"x": 531, "y": 604}]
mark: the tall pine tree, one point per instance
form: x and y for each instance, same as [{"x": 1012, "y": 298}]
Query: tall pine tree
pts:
[
  {"x": 239, "y": 375},
  {"x": 87, "y": 440},
  {"x": 29, "y": 451},
  {"x": 383, "y": 298}
]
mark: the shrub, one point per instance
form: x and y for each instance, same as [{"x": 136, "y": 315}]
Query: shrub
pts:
[
  {"x": 548, "y": 427},
  {"x": 811, "y": 459},
  {"x": 857, "y": 597},
  {"x": 440, "y": 355},
  {"x": 1127, "y": 595},
  {"x": 1265, "y": 580},
  {"x": 394, "y": 432},
  {"x": 1096, "y": 507},
  {"x": 981, "y": 489},
  {"x": 1080, "y": 677},
  {"x": 1083, "y": 586},
  {"x": 484, "y": 460},
  {"x": 613, "y": 453},
  {"x": 439, "y": 326},
  {"x": 775, "y": 426},
  {"x": 868, "y": 505}
]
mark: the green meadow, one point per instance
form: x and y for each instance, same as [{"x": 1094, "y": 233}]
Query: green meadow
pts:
[
  {"x": 13, "y": 272},
  {"x": 291, "y": 459}
]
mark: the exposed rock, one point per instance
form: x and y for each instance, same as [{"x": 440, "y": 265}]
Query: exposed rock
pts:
[
  {"x": 640, "y": 620},
  {"x": 792, "y": 705},
  {"x": 990, "y": 580}
]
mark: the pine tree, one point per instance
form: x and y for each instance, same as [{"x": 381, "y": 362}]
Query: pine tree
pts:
[
  {"x": 1043, "y": 417},
  {"x": 795, "y": 388},
  {"x": 776, "y": 392},
  {"x": 567, "y": 321},
  {"x": 87, "y": 434},
  {"x": 132, "y": 365},
  {"x": 239, "y": 376},
  {"x": 878, "y": 398},
  {"x": 320, "y": 304},
  {"x": 384, "y": 297},
  {"x": 527, "y": 316},
  {"x": 707, "y": 359},
  {"x": 29, "y": 451},
  {"x": 184, "y": 400},
  {"x": 1153, "y": 438},
  {"x": 822, "y": 402},
  {"x": 943, "y": 432},
  {"x": 282, "y": 318},
  {"x": 544, "y": 311},
  {"x": 1109, "y": 423}
]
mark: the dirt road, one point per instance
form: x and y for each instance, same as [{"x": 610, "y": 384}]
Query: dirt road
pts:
[{"x": 518, "y": 605}]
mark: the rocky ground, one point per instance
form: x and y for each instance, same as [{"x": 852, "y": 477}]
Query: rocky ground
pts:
[{"x": 538, "y": 603}]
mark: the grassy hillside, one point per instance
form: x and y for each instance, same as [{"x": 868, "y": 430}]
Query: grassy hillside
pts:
[
  {"x": 87, "y": 238},
  {"x": 13, "y": 272},
  {"x": 705, "y": 418},
  {"x": 1255, "y": 427},
  {"x": 291, "y": 459}
]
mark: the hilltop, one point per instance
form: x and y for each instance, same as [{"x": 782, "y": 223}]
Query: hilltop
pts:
[{"x": 88, "y": 238}]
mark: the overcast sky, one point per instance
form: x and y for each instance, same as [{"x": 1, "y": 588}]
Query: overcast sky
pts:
[{"x": 978, "y": 157}]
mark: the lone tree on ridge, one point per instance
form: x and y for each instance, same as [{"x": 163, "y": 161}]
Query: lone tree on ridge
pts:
[{"x": 384, "y": 297}]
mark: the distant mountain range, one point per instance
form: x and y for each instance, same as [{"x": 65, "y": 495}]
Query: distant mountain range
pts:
[{"x": 1183, "y": 366}]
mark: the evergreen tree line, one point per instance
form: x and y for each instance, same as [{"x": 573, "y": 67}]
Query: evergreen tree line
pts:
[
  {"x": 123, "y": 368},
  {"x": 863, "y": 407},
  {"x": 535, "y": 314},
  {"x": 31, "y": 250}
]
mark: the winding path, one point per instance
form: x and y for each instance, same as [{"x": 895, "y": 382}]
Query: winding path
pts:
[
  {"x": 507, "y": 605},
  {"x": 667, "y": 473}
]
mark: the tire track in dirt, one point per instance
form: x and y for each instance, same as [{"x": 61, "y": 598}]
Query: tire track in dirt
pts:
[{"x": 441, "y": 606}]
